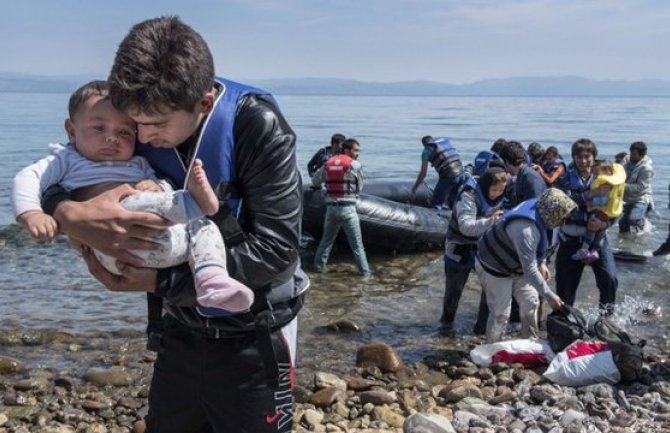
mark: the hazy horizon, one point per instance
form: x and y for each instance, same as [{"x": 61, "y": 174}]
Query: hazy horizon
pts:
[{"x": 444, "y": 41}]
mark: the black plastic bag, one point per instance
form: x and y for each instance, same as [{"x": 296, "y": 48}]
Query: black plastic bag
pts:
[
  {"x": 565, "y": 326},
  {"x": 628, "y": 356}
]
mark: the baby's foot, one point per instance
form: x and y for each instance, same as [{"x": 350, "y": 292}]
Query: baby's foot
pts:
[{"x": 199, "y": 187}]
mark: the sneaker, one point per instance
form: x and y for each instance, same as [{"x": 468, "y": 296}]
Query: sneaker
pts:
[
  {"x": 581, "y": 254},
  {"x": 663, "y": 250}
]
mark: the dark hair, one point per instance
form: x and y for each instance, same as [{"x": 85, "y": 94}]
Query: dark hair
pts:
[
  {"x": 513, "y": 153},
  {"x": 498, "y": 145},
  {"x": 492, "y": 176},
  {"x": 427, "y": 140},
  {"x": 553, "y": 150},
  {"x": 640, "y": 147},
  {"x": 84, "y": 93},
  {"x": 349, "y": 144},
  {"x": 621, "y": 157},
  {"x": 535, "y": 150},
  {"x": 584, "y": 145},
  {"x": 337, "y": 139},
  {"x": 161, "y": 64}
]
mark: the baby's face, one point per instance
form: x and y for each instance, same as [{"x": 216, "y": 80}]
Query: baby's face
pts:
[{"x": 102, "y": 133}]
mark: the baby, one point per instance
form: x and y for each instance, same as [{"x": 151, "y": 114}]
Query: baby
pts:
[{"x": 100, "y": 156}]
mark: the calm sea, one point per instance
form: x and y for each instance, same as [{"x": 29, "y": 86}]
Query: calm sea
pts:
[{"x": 48, "y": 286}]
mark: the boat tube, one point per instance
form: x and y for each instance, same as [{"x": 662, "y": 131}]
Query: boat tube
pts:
[{"x": 391, "y": 217}]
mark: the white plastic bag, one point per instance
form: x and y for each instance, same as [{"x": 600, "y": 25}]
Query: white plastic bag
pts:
[
  {"x": 583, "y": 363},
  {"x": 529, "y": 352}
]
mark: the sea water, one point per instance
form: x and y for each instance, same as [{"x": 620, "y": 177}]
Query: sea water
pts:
[{"x": 47, "y": 286}]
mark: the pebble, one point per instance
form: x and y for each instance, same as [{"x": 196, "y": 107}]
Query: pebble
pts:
[{"x": 381, "y": 395}]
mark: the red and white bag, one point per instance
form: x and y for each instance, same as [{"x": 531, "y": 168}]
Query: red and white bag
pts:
[
  {"x": 529, "y": 352},
  {"x": 583, "y": 363}
]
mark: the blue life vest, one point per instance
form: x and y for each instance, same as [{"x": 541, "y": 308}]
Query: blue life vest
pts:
[
  {"x": 483, "y": 160},
  {"x": 580, "y": 216},
  {"x": 444, "y": 155},
  {"x": 484, "y": 210},
  {"x": 214, "y": 146},
  {"x": 495, "y": 249}
]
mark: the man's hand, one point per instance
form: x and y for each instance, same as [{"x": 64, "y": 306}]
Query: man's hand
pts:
[
  {"x": 41, "y": 226},
  {"x": 555, "y": 302},
  {"x": 595, "y": 224},
  {"x": 545, "y": 272},
  {"x": 132, "y": 279},
  {"x": 102, "y": 223},
  {"x": 497, "y": 215}
]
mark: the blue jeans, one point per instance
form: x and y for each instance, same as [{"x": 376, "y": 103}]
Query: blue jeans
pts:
[
  {"x": 446, "y": 189},
  {"x": 569, "y": 272},
  {"x": 633, "y": 216},
  {"x": 346, "y": 218}
]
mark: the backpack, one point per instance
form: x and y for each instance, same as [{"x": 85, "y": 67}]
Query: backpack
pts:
[
  {"x": 628, "y": 356},
  {"x": 565, "y": 326}
]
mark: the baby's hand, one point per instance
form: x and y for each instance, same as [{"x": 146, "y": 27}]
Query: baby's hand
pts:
[
  {"x": 148, "y": 185},
  {"x": 40, "y": 225}
]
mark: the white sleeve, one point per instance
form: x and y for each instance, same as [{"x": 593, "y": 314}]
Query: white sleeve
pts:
[{"x": 33, "y": 180}]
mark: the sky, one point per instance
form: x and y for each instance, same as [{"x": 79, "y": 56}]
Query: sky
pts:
[{"x": 449, "y": 41}]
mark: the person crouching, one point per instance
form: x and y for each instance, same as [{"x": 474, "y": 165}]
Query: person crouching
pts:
[{"x": 510, "y": 262}]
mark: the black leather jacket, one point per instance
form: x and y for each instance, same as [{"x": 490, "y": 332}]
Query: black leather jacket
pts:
[{"x": 270, "y": 186}]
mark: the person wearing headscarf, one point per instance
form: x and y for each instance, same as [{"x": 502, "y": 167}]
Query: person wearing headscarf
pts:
[{"x": 511, "y": 262}]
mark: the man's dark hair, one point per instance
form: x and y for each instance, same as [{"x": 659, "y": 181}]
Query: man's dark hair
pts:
[
  {"x": 427, "y": 140},
  {"x": 84, "y": 93},
  {"x": 349, "y": 144},
  {"x": 162, "y": 64},
  {"x": 640, "y": 147},
  {"x": 337, "y": 139},
  {"x": 584, "y": 145},
  {"x": 513, "y": 153},
  {"x": 498, "y": 145}
]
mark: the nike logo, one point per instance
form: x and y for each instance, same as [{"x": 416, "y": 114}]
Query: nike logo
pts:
[{"x": 272, "y": 418}]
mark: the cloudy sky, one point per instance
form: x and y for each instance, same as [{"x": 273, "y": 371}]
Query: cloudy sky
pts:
[{"x": 452, "y": 41}]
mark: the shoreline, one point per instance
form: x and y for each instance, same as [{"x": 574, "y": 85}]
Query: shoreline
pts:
[{"x": 103, "y": 383}]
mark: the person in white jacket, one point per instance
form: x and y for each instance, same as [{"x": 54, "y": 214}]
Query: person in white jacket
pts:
[{"x": 637, "y": 195}]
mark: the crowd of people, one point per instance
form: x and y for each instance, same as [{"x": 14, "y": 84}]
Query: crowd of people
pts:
[
  {"x": 185, "y": 186},
  {"x": 513, "y": 208}
]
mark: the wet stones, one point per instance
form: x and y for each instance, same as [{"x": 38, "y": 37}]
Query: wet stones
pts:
[
  {"x": 379, "y": 355},
  {"x": 114, "y": 376},
  {"x": 10, "y": 365}
]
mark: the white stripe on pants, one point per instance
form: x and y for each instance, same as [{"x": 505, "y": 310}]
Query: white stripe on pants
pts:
[{"x": 499, "y": 292}]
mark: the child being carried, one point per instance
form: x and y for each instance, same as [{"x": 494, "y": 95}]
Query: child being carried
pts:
[{"x": 603, "y": 208}]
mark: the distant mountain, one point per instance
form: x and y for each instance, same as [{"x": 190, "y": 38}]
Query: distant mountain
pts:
[
  {"x": 26, "y": 83},
  {"x": 517, "y": 86}
]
